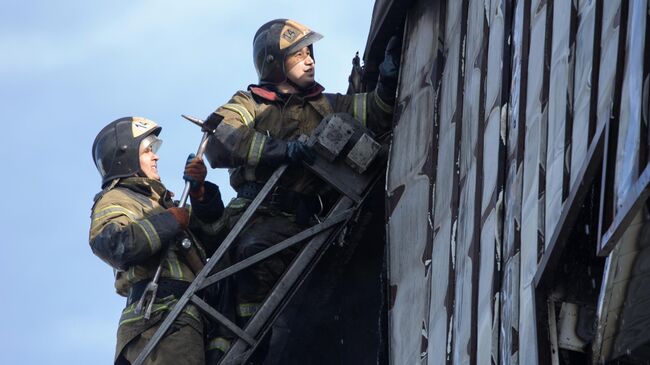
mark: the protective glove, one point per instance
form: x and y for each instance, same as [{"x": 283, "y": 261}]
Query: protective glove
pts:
[
  {"x": 389, "y": 67},
  {"x": 195, "y": 172},
  {"x": 298, "y": 152},
  {"x": 389, "y": 70},
  {"x": 182, "y": 216}
]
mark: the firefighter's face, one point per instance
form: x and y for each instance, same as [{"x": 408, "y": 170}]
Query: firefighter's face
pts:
[
  {"x": 301, "y": 68},
  {"x": 149, "y": 161}
]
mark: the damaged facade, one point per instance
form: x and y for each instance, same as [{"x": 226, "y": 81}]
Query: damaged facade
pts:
[{"x": 517, "y": 229}]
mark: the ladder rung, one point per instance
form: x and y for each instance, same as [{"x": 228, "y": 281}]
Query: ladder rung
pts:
[
  {"x": 282, "y": 292},
  {"x": 328, "y": 223},
  {"x": 222, "y": 319}
]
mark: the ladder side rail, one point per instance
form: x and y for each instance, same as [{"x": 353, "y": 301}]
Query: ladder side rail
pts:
[
  {"x": 291, "y": 241},
  {"x": 209, "y": 310},
  {"x": 216, "y": 315},
  {"x": 285, "y": 287},
  {"x": 219, "y": 253}
]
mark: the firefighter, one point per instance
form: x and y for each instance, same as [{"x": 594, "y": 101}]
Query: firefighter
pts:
[
  {"x": 136, "y": 226},
  {"x": 258, "y": 129}
]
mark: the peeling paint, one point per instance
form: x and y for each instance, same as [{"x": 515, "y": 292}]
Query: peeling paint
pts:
[
  {"x": 453, "y": 245},
  {"x": 449, "y": 335},
  {"x": 504, "y": 123},
  {"x": 498, "y": 234}
]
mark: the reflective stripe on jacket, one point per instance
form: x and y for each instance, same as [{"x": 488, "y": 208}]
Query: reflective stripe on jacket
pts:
[{"x": 252, "y": 118}]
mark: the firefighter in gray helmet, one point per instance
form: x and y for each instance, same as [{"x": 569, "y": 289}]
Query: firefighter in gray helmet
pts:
[
  {"x": 135, "y": 226},
  {"x": 258, "y": 129}
]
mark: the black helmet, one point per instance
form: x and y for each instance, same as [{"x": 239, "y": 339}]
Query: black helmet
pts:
[
  {"x": 116, "y": 150},
  {"x": 273, "y": 42}
]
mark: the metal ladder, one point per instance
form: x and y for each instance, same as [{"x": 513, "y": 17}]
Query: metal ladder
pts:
[{"x": 353, "y": 188}]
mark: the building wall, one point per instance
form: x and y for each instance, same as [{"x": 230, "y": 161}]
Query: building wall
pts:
[{"x": 507, "y": 112}]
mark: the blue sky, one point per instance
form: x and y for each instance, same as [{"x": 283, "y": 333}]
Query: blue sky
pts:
[{"x": 67, "y": 68}]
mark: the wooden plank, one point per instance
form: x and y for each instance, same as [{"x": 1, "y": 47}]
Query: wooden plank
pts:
[
  {"x": 532, "y": 228},
  {"x": 629, "y": 120},
  {"x": 560, "y": 92},
  {"x": 552, "y": 326},
  {"x": 409, "y": 180},
  {"x": 509, "y": 294},
  {"x": 465, "y": 315},
  {"x": 582, "y": 86},
  {"x": 444, "y": 214},
  {"x": 493, "y": 166}
]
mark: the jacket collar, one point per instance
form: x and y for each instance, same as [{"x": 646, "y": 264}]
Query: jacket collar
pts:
[
  {"x": 266, "y": 92},
  {"x": 144, "y": 186}
]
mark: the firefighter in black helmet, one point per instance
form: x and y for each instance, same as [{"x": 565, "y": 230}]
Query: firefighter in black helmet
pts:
[
  {"x": 135, "y": 225},
  {"x": 276, "y": 40},
  {"x": 257, "y": 130}
]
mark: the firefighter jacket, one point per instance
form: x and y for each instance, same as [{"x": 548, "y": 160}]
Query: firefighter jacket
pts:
[
  {"x": 132, "y": 232},
  {"x": 254, "y": 125}
]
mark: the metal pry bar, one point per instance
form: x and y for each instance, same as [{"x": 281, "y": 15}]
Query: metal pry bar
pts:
[
  {"x": 152, "y": 287},
  {"x": 199, "y": 153}
]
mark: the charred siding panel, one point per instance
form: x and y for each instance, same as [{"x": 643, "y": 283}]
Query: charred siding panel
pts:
[
  {"x": 582, "y": 85},
  {"x": 509, "y": 332},
  {"x": 442, "y": 297},
  {"x": 627, "y": 157},
  {"x": 558, "y": 105},
  {"x": 410, "y": 231},
  {"x": 492, "y": 198},
  {"x": 465, "y": 315},
  {"x": 499, "y": 101},
  {"x": 532, "y": 228},
  {"x": 608, "y": 58}
]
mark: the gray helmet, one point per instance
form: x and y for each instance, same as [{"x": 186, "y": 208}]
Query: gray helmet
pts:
[
  {"x": 273, "y": 42},
  {"x": 116, "y": 149}
]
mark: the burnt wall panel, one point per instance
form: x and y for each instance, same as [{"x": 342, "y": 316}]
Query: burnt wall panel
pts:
[
  {"x": 442, "y": 299},
  {"x": 559, "y": 99},
  {"x": 509, "y": 328},
  {"x": 487, "y": 332},
  {"x": 497, "y": 106},
  {"x": 623, "y": 304},
  {"x": 409, "y": 190},
  {"x": 532, "y": 228},
  {"x": 627, "y": 156},
  {"x": 608, "y": 57},
  {"x": 584, "y": 61},
  {"x": 470, "y": 158}
]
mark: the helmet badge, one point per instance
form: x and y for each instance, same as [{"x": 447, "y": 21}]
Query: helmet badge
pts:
[
  {"x": 140, "y": 126},
  {"x": 289, "y": 35}
]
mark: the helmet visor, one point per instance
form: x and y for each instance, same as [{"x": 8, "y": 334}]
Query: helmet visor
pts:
[{"x": 150, "y": 143}]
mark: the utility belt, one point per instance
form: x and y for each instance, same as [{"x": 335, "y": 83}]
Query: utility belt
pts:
[
  {"x": 166, "y": 287},
  {"x": 303, "y": 206}
]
